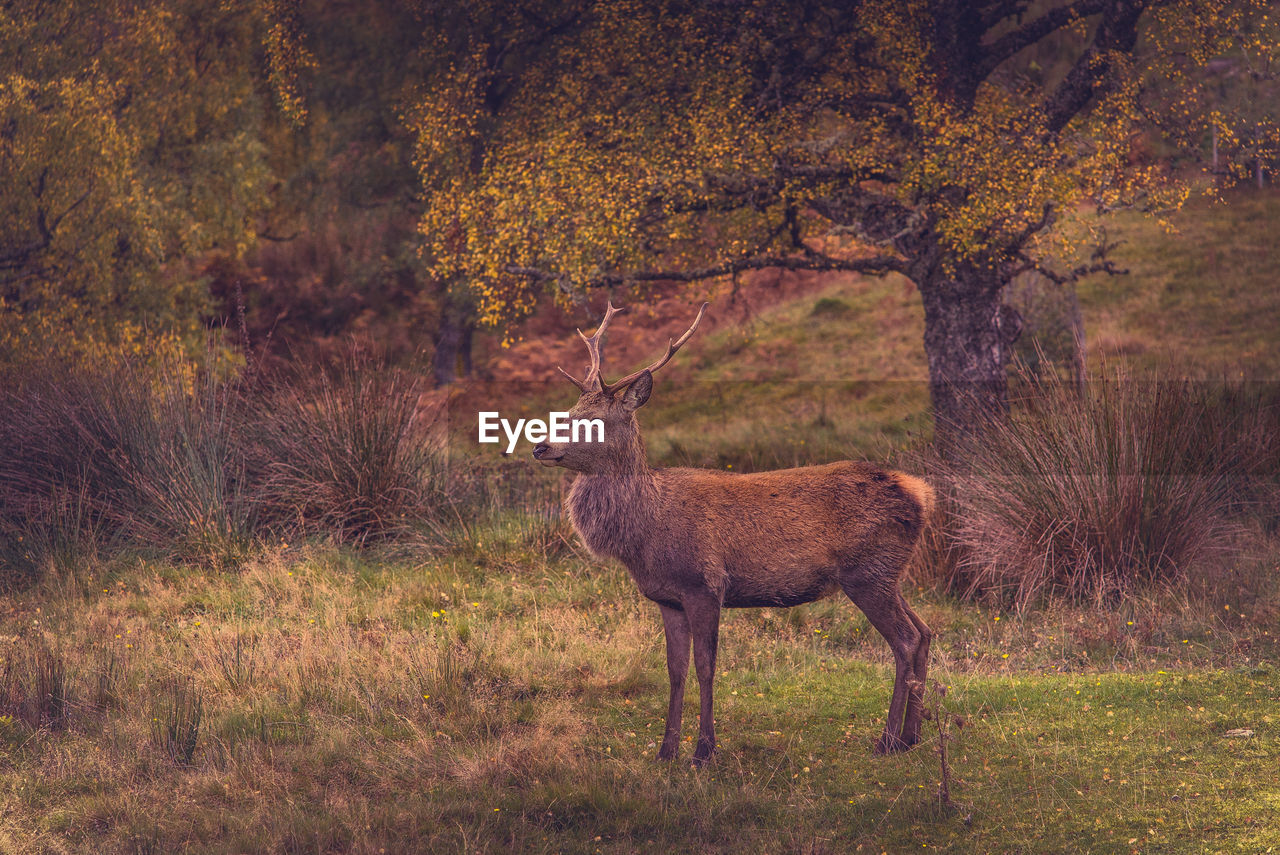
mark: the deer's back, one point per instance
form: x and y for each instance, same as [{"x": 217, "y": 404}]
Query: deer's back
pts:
[{"x": 780, "y": 537}]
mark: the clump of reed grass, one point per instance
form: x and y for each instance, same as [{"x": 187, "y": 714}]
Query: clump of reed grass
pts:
[
  {"x": 33, "y": 684},
  {"x": 201, "y": 465},
  {"x": 176, "y": 719},
  {"x": 1092, "y": 496},
  {"x": 144, "y": 452},
  {"x": 348, "y": 452}
]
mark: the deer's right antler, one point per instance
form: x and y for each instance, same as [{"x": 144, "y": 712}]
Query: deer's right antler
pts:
[
  {"x": 594, "y": 381},
  {"x": 672, "y": 347}
]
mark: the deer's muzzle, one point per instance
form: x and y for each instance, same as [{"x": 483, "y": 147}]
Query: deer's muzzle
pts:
[{"x": 546, "y": 453}]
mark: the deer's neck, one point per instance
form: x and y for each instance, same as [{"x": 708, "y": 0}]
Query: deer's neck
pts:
[{"x": 614, "y": 512}]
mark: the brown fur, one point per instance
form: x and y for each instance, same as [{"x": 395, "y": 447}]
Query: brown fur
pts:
[{"x": 697, "y": 541}]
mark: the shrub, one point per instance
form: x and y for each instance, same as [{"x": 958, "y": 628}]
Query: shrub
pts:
[
  {"x": 830, "y": 307},
  {"x": 146, "y": 452},
  {"x": 346, "y": 453},
  {"x": 197, "y": 465},
  {"x": 1134, "y": 484}
]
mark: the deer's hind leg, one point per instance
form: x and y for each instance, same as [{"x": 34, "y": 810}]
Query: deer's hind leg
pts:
[
  {"x": 915, "y": 689},
  {"x": 884, "y": 607}
]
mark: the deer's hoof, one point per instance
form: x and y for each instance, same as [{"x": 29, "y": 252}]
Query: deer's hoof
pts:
[
  {"x": 666, "y": 754},
  {"x": 702, "y": 754}
]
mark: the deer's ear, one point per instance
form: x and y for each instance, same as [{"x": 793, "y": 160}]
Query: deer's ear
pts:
[{"x": 638, "y": 392}]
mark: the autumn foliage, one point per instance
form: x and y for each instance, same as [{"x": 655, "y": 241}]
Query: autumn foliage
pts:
[{"x": 603, "y": 144}]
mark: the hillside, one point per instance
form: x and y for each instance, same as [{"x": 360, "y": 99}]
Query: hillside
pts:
[{"x": 1201, "y": 295}]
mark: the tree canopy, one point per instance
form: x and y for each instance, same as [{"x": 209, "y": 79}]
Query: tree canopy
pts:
[
  {"x": 636, "y": 141},
  {"x": 129, "y": 140}
]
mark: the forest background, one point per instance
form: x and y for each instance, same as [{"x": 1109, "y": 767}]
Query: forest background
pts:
[{"x": 262, "y": 262}]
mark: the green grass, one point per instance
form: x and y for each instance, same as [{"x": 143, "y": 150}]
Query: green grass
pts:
[
  {"x": 801, "y": 384},
  {"x": 503, "y": 697},
  {"x": 841, "y": 372},
  {"x": 806, "y": 384}
]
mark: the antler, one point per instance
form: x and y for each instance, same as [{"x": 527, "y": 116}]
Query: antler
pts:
[
  {"x": 595, "y": 381},
  {"x": 672, "y": 347}
]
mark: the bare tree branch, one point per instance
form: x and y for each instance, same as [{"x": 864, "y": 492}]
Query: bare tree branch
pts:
[
  {"x": 1002, "y": 10},
  {"x": 1033, "y": 31},
  {"x": 1117, "y": 31},
  {"x": 1047, "y": 217},
  {"x": 1074, "y": 275},
  {"x": 811, "y": 260}
]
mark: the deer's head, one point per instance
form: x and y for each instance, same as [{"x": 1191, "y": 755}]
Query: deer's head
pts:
[{"x": 614, "y": 404}]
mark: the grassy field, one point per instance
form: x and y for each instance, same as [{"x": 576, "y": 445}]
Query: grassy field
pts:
[
  {"x": 490, "y": 688},
  {"x": 508, "y": 695},
  {"x": 841, "y": 372}
]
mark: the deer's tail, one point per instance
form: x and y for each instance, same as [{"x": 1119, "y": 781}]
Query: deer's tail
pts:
[{"x": 919, "y": 490}]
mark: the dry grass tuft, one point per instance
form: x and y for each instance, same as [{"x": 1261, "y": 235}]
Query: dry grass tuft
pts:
[
  {"x": 176, "y": 717},
  {"x": 34, "y": 688},
  {"x": 347, "y": 452},
  {"x": 192, "y": 466},
  {"x": 1135, "y": 484}
]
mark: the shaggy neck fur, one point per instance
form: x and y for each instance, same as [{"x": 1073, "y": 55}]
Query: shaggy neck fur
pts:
[{"x": 614, "y": 507}]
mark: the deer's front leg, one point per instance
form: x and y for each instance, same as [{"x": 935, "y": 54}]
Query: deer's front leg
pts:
[
  {"x": 675, "y": 623},
  {"x": 704, "y": 623}
]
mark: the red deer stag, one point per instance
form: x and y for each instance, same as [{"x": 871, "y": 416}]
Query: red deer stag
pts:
[{"x": 697, "y": 541}]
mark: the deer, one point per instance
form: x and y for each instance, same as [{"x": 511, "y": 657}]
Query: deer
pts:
[{"x": 697, "y": 541}]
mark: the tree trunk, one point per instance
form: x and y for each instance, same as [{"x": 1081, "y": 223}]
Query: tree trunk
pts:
[
  {"x": 468, "y": 332},
  {"x": 453, "y": 341},
  {"x": 1079, "y": 347},
  {"x": 967, "y": 338}
]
